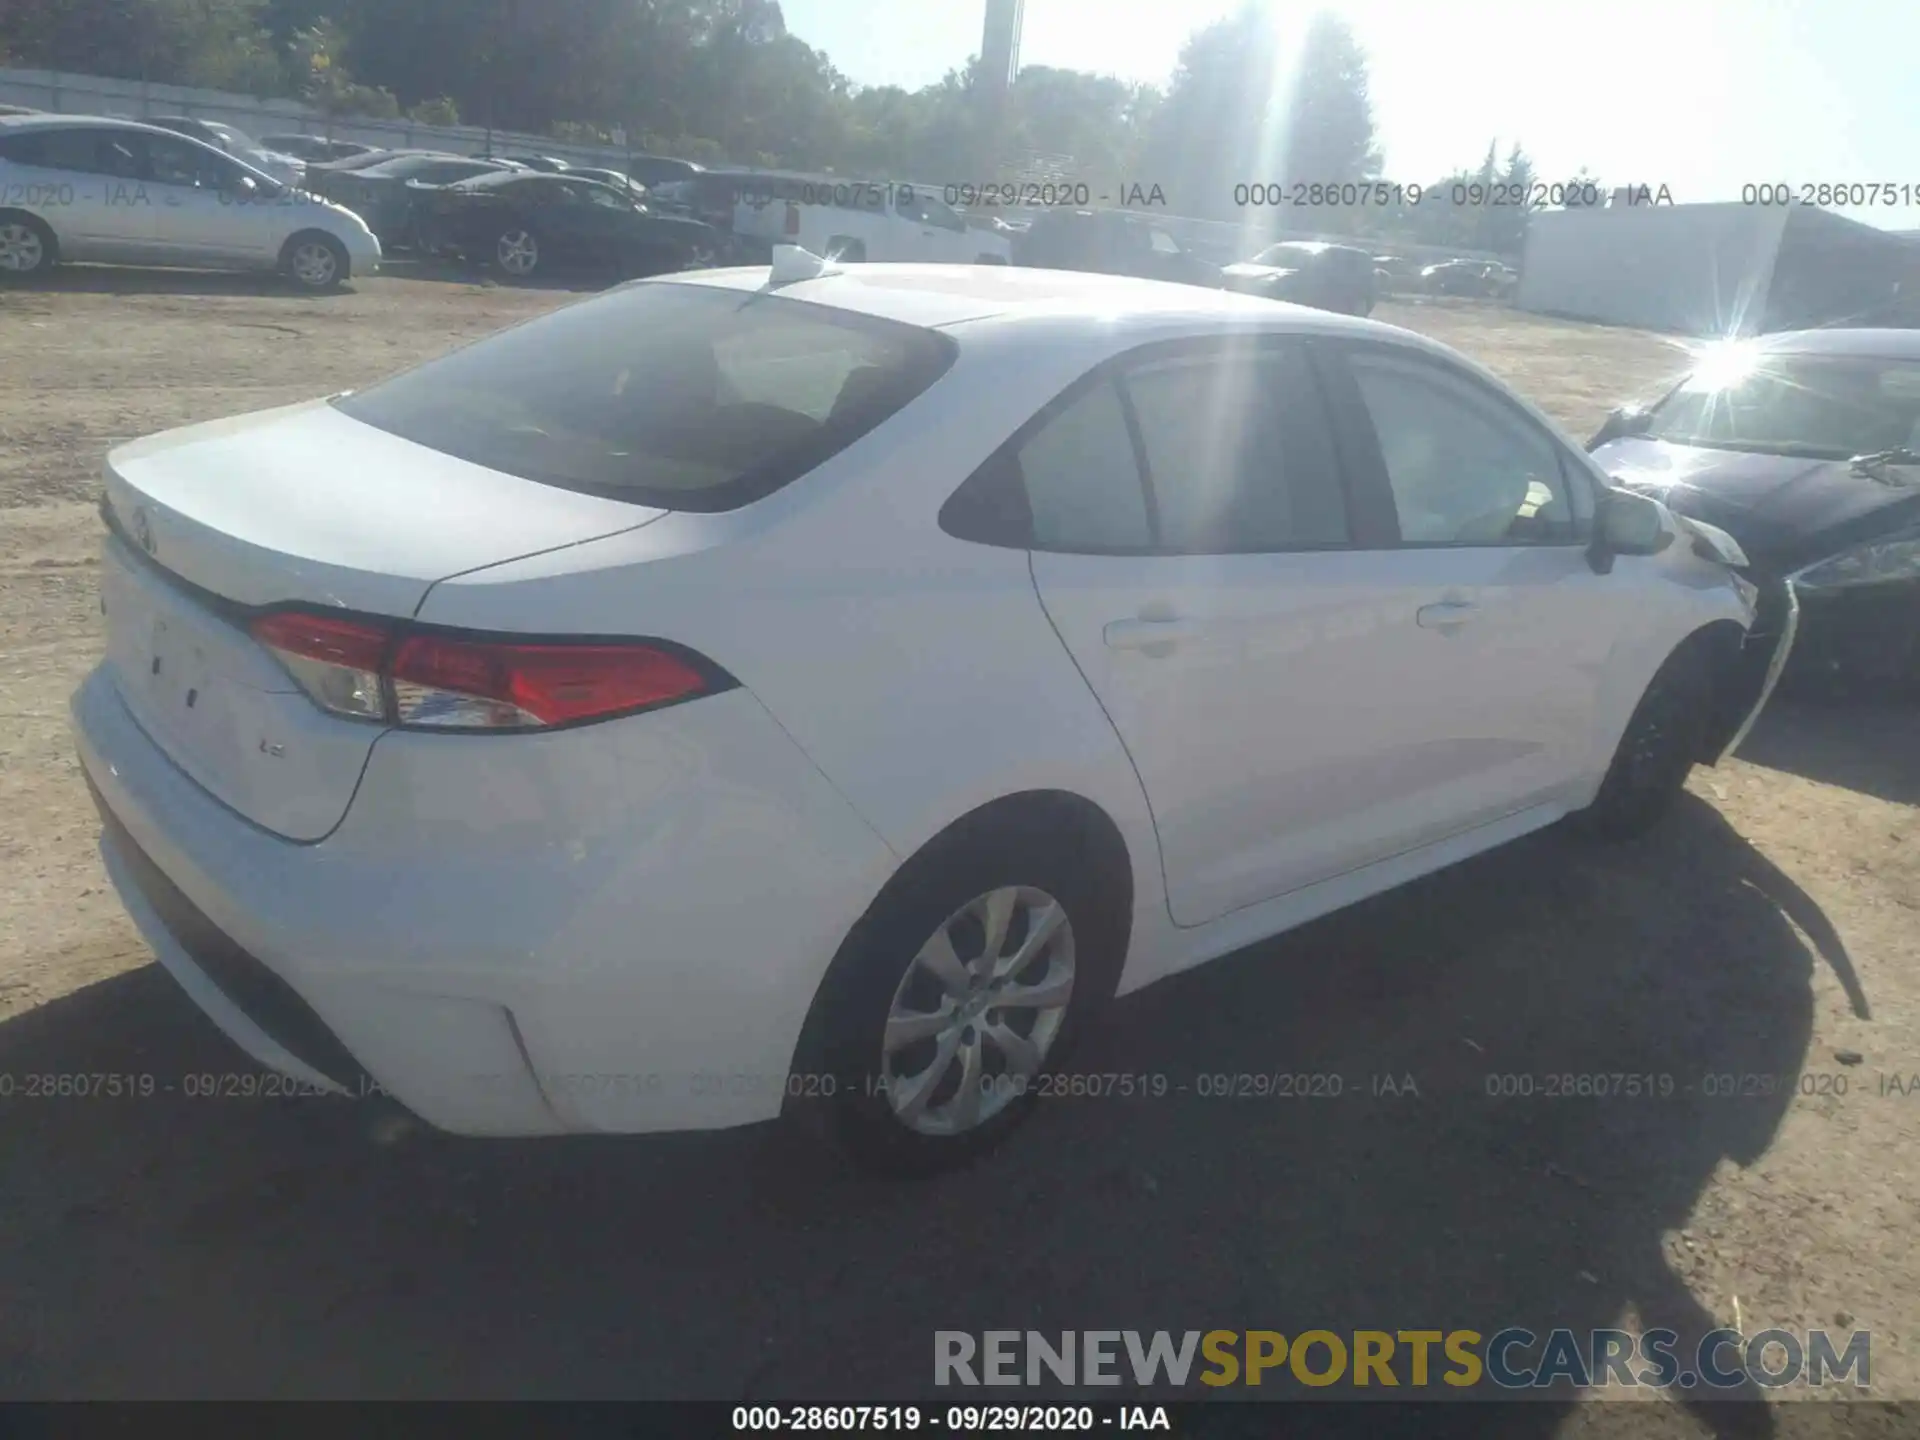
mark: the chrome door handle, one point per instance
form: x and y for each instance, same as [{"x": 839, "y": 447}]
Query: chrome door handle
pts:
[
  {"x": 1446, "y": 617},
  {"x": 1153, "y": 637}
]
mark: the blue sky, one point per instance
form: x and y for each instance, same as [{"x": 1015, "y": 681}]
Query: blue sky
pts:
[{"x": 1703, "y": 96}]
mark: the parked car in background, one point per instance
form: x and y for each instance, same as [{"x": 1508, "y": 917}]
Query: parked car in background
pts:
[
  {"x": 546, "y": 164},
  {"x": 83, "y": 188},
  {"x": 656, "y": 170},
  {"x": 287, "y": 169},
  {"x": 1484, "y": 279},
  {"x": 619, "y": 180},
  {"x": 315, "y": 149},
  {"x": 598, "y": 698},
  {"x": 1110, "y": 242},
  {"x": 1394, "y": 273},
  {"x": 1307, "y": 272},
  {"x": 858, "y": 220},
  {"x": 1805, "y": 447},
  {"x": 530, "y": 224},
  {"x": 387, "y": 194},
  {"x": 375, "y": 157}
]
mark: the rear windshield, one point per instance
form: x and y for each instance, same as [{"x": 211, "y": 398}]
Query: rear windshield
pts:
[{"x": 686, "y": 397}]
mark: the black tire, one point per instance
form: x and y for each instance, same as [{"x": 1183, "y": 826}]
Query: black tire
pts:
[
  {"x": 1080, "y": 865},
  {"x": 48, "y": 252},
  {"x": 1656, "y": 753},
  {"x": 845, "y": 247},
  {"x": 300, "y": 265}
]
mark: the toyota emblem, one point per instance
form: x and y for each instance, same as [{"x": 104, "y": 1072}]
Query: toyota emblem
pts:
[{"x": 143, "y": 530}]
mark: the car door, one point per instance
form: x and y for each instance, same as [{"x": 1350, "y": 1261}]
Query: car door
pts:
[
  {"x": 943, "y": 235},
  {"x": 84, "y": 181},
  {"x": 1513, "y": 629},
  {"x": 1198, "y": 554},
  {"x": 565, "y": 220},
  {"x": 202, "y": 214}
]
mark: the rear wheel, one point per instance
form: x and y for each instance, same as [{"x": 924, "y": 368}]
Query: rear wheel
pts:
[
  {"x": 27, "y": 246},
  {"x": 1657, "y": 751},
  {"x": 959, "y": 993}
]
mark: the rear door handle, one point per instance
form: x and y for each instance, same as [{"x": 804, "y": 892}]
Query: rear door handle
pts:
[
  {"x": 1153, "y": 637},
  {"x": 1446, "y": 617}
]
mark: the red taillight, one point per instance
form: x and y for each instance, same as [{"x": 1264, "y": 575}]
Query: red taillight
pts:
[
  {"x": 441, "y": 681},
  {"x": 355, "y": 668},
  {"x": 793, "y": 218}
]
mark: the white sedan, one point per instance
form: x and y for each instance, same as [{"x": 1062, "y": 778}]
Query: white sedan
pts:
[{"x": 822, "y": 691}]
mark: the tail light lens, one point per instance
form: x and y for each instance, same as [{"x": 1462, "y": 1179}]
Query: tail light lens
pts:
[
  {"x": 450, "y": 682},
  {"x": 793, "y": 218}
]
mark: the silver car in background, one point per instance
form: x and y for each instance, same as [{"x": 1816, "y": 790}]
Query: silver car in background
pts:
[{"x": 95, "y": 188}]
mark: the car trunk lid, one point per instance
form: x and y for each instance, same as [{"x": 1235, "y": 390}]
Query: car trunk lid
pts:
[{"x": 305, "y": 506}]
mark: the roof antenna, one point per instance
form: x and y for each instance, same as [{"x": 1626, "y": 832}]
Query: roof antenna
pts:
[{"x": 793, "y": 262}]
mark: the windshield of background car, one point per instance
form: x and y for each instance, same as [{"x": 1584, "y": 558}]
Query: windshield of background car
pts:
[
  {"x": 1824, "y": 406},
  {"x": 680, "y": 396}
]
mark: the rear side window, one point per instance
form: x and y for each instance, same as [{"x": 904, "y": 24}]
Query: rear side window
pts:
[
  {"x": 680, "y": 396},
  {"x": 89, "y": 150},
  {"x": 1238, "y": 460},
  {"x": 1082, "y": 480}
]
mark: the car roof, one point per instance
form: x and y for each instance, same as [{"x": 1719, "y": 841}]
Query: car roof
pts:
[
  {"x": 936, "y": 296},
  {"x": 14, "y": 123},
  {"x": 1889, "y": 344}
]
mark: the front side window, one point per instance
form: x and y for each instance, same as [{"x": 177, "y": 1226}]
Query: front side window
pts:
[
  {"x": 1464, "y": 468},
  {"x": 679, "y": 396},
  {"x": 180, "y": 162}
]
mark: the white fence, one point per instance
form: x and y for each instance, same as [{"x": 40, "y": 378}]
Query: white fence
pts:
[{"x": 71, "y": 94}]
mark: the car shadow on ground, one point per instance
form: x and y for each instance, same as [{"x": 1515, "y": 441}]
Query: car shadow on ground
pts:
[
  {"x": 450, "y": 271},
  {"x": 126, "y": 280},
  {"x": 1867, "y": 747},
  {"x": 197, "y": 1247}
]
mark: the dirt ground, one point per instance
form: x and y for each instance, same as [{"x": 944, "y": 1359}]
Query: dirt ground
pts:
[{"x": 187, "y": 1247}]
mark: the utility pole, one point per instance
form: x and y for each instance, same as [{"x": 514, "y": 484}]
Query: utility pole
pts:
[{"x": 999, "y": 64}]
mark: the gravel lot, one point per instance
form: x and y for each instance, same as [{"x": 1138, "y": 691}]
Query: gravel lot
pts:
[{"x": 177, "y": 1247}]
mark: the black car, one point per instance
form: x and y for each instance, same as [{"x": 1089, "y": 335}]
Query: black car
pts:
[
  {"x": 1110, "y": 242},
  {"x": 386, "y": 194},
  {"x": 546, "y": 164},
  {"x": 527, "y": 225},
  {"x": 1481, "y": 279},
  {"x": 1307, "y": 272},
  {"x": 618, "y": 179},
  {"x": 652, "y": 170},
  {"x": 315, "y": 149},
  {"x": 1805, "y": 447}
]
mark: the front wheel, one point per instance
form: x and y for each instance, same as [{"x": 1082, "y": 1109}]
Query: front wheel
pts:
[
  {"x": 315, "y": 262},
  {"x": 1657, "y": 750},
  {"x": 517, "y": 253}
]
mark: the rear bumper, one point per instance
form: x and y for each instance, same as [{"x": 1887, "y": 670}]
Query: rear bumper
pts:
[{"x": 616, "y": 928}]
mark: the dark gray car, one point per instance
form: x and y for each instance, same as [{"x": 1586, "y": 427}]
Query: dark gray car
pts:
[{"x": 1805, "y": 447}]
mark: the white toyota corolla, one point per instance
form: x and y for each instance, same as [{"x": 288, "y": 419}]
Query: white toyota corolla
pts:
[{"x": 800, "y": 689}]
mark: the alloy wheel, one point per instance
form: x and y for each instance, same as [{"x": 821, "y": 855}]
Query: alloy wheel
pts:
[
  {"x": 518, "y": 252},
  {"x": 978, "y": 1009},
  {"x": 314, "y": 265},
  {"x": 21, "y": 249}
]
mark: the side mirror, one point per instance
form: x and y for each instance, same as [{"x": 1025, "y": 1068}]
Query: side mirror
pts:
[
  {"x": 1626, "y": 524},
  {"x": 1624, "y": 420}
]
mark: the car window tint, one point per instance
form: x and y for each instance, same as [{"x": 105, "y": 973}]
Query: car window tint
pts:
[
  {"x": 88, "y": 151},
  {"x": 606, "y": 199},
  {"x": 1225, "y": 472},
  {"x": 1082, "y": 480},
  {"x": 663, "y": 394},
  {"x": 179, "y": 162},
  {"x": 1464, "y": 468}
]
